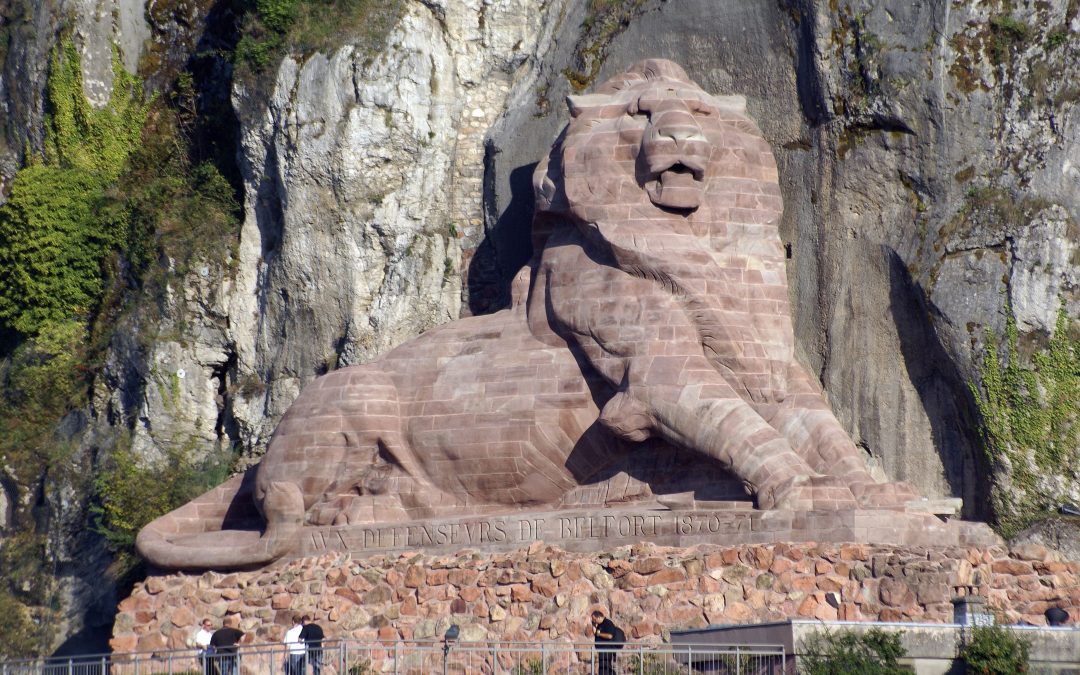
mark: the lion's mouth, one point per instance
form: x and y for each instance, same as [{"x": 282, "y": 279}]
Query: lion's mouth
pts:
[{"x": 676, "y": 186}]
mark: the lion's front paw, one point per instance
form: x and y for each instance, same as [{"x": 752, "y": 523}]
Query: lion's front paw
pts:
[
  {"x": 894, "y": 495},
  {"x": 808, "y": 493}
]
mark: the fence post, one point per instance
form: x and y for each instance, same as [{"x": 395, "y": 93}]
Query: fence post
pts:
[{"x": 495, "y": 658}]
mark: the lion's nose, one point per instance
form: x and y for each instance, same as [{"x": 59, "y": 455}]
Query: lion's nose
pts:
[
  {"x": 680, "y": 133},
  {"x": 677, "y": 123}
]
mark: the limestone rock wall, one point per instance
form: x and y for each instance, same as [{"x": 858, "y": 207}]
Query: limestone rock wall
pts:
[
  {"x": 542, "y": 593},
  {"x": 362, "y": 213}
]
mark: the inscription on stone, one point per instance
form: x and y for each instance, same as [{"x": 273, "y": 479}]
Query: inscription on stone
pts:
[{"x": 571, "y": 531}]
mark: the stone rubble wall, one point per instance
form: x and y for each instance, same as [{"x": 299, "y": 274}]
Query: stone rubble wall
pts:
[{"x": 542, "y": 593}]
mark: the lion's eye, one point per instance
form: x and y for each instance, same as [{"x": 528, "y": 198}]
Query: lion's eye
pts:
[{"x": 702, "y": 109}]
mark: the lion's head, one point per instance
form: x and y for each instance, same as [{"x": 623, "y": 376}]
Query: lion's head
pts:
[
  {"x": 680, "y": 187},
  {"x": 650, "y": 145}
]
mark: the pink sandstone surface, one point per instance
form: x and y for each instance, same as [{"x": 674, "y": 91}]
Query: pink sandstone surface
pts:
[
  {"x": 542, "y": 593},
  {"x": 648, "y": 355}
]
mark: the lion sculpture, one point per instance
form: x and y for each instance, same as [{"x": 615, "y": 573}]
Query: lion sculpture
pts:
[{"x": 652, "y": 321}]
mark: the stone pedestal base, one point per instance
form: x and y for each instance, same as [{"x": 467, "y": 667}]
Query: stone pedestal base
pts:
[
  {"x": 542, "y": 592},
  {"x": 728, "y": 523}
]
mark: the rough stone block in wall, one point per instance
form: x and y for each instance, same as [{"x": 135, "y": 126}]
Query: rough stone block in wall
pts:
[{"x": 543, "y": 593}]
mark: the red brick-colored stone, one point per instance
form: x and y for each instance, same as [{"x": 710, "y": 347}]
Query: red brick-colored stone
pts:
[{"x": 1013, "y": 567}]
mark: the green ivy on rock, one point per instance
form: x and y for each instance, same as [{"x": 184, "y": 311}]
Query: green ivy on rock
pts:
[
  {"x": 79, "y": 136},
  {"x": 1030, "y": 421},
  {"x": 51, "y": 247},
  {"x": 52, "y": 243}
]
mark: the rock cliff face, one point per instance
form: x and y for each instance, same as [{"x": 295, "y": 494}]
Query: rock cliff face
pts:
[
  {"x": 363, "y": 209},
  {"x": 928, "y": 154}
]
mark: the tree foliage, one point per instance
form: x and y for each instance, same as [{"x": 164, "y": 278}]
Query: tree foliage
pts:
[
  {"x": 843, "y": 652},
  {"x": 994, "y": 650},
  {"x": 16, "y": 627},
  {"x": 43, "y": 380},
  {"x": 166, "y": 207},
  {"x": 51, "y": 247}
]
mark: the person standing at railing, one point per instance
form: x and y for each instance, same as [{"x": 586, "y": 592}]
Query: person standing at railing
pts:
[
  {"x": 202, "y": 644},
  {"x": 312, "y": 635},
  {"x": 294, "y": 659},
  {"x": 609, "y": 638},
  {"x": 223, "y": 642}
]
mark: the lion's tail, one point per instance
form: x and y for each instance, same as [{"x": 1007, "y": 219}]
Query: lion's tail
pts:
[{"x": 222, "y": 529}]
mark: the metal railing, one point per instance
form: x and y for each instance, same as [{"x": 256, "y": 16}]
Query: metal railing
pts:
[{"x": 427, "y": 657}]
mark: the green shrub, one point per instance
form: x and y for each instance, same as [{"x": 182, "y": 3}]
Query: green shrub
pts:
[
  {"x": 1006, "y": 33},
  {"x": 45, "y": 378},
  {"x": 1010, "y": 28},
  {"x": 1057, "y": 39},
  {"x": 16, "y": 627},
  {"x": 168, "y": 208},
  {"x": 273, "y": 27},
  {"x": 533, "y": 666},
  {"x": 131, "y": 493},
  {"x": 993, "y": 650},
  {"x": 844, "y": 652}
]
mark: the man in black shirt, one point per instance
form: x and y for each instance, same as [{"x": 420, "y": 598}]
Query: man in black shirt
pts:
[
  {"x": 223, "y": 642},
  {"x": 609, "y": 638},
  {"x": 312, "y": 634}
]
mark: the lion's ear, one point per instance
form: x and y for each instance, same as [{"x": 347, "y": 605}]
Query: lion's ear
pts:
[{"x": 580, "y": 103}]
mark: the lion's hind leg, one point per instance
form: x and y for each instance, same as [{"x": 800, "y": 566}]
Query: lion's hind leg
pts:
[{"x": 369, "y": 472}]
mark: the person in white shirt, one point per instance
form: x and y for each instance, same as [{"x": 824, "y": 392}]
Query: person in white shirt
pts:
[
  {"x": 294, "y": 660},
  {"x": 202, "y": 644}
]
